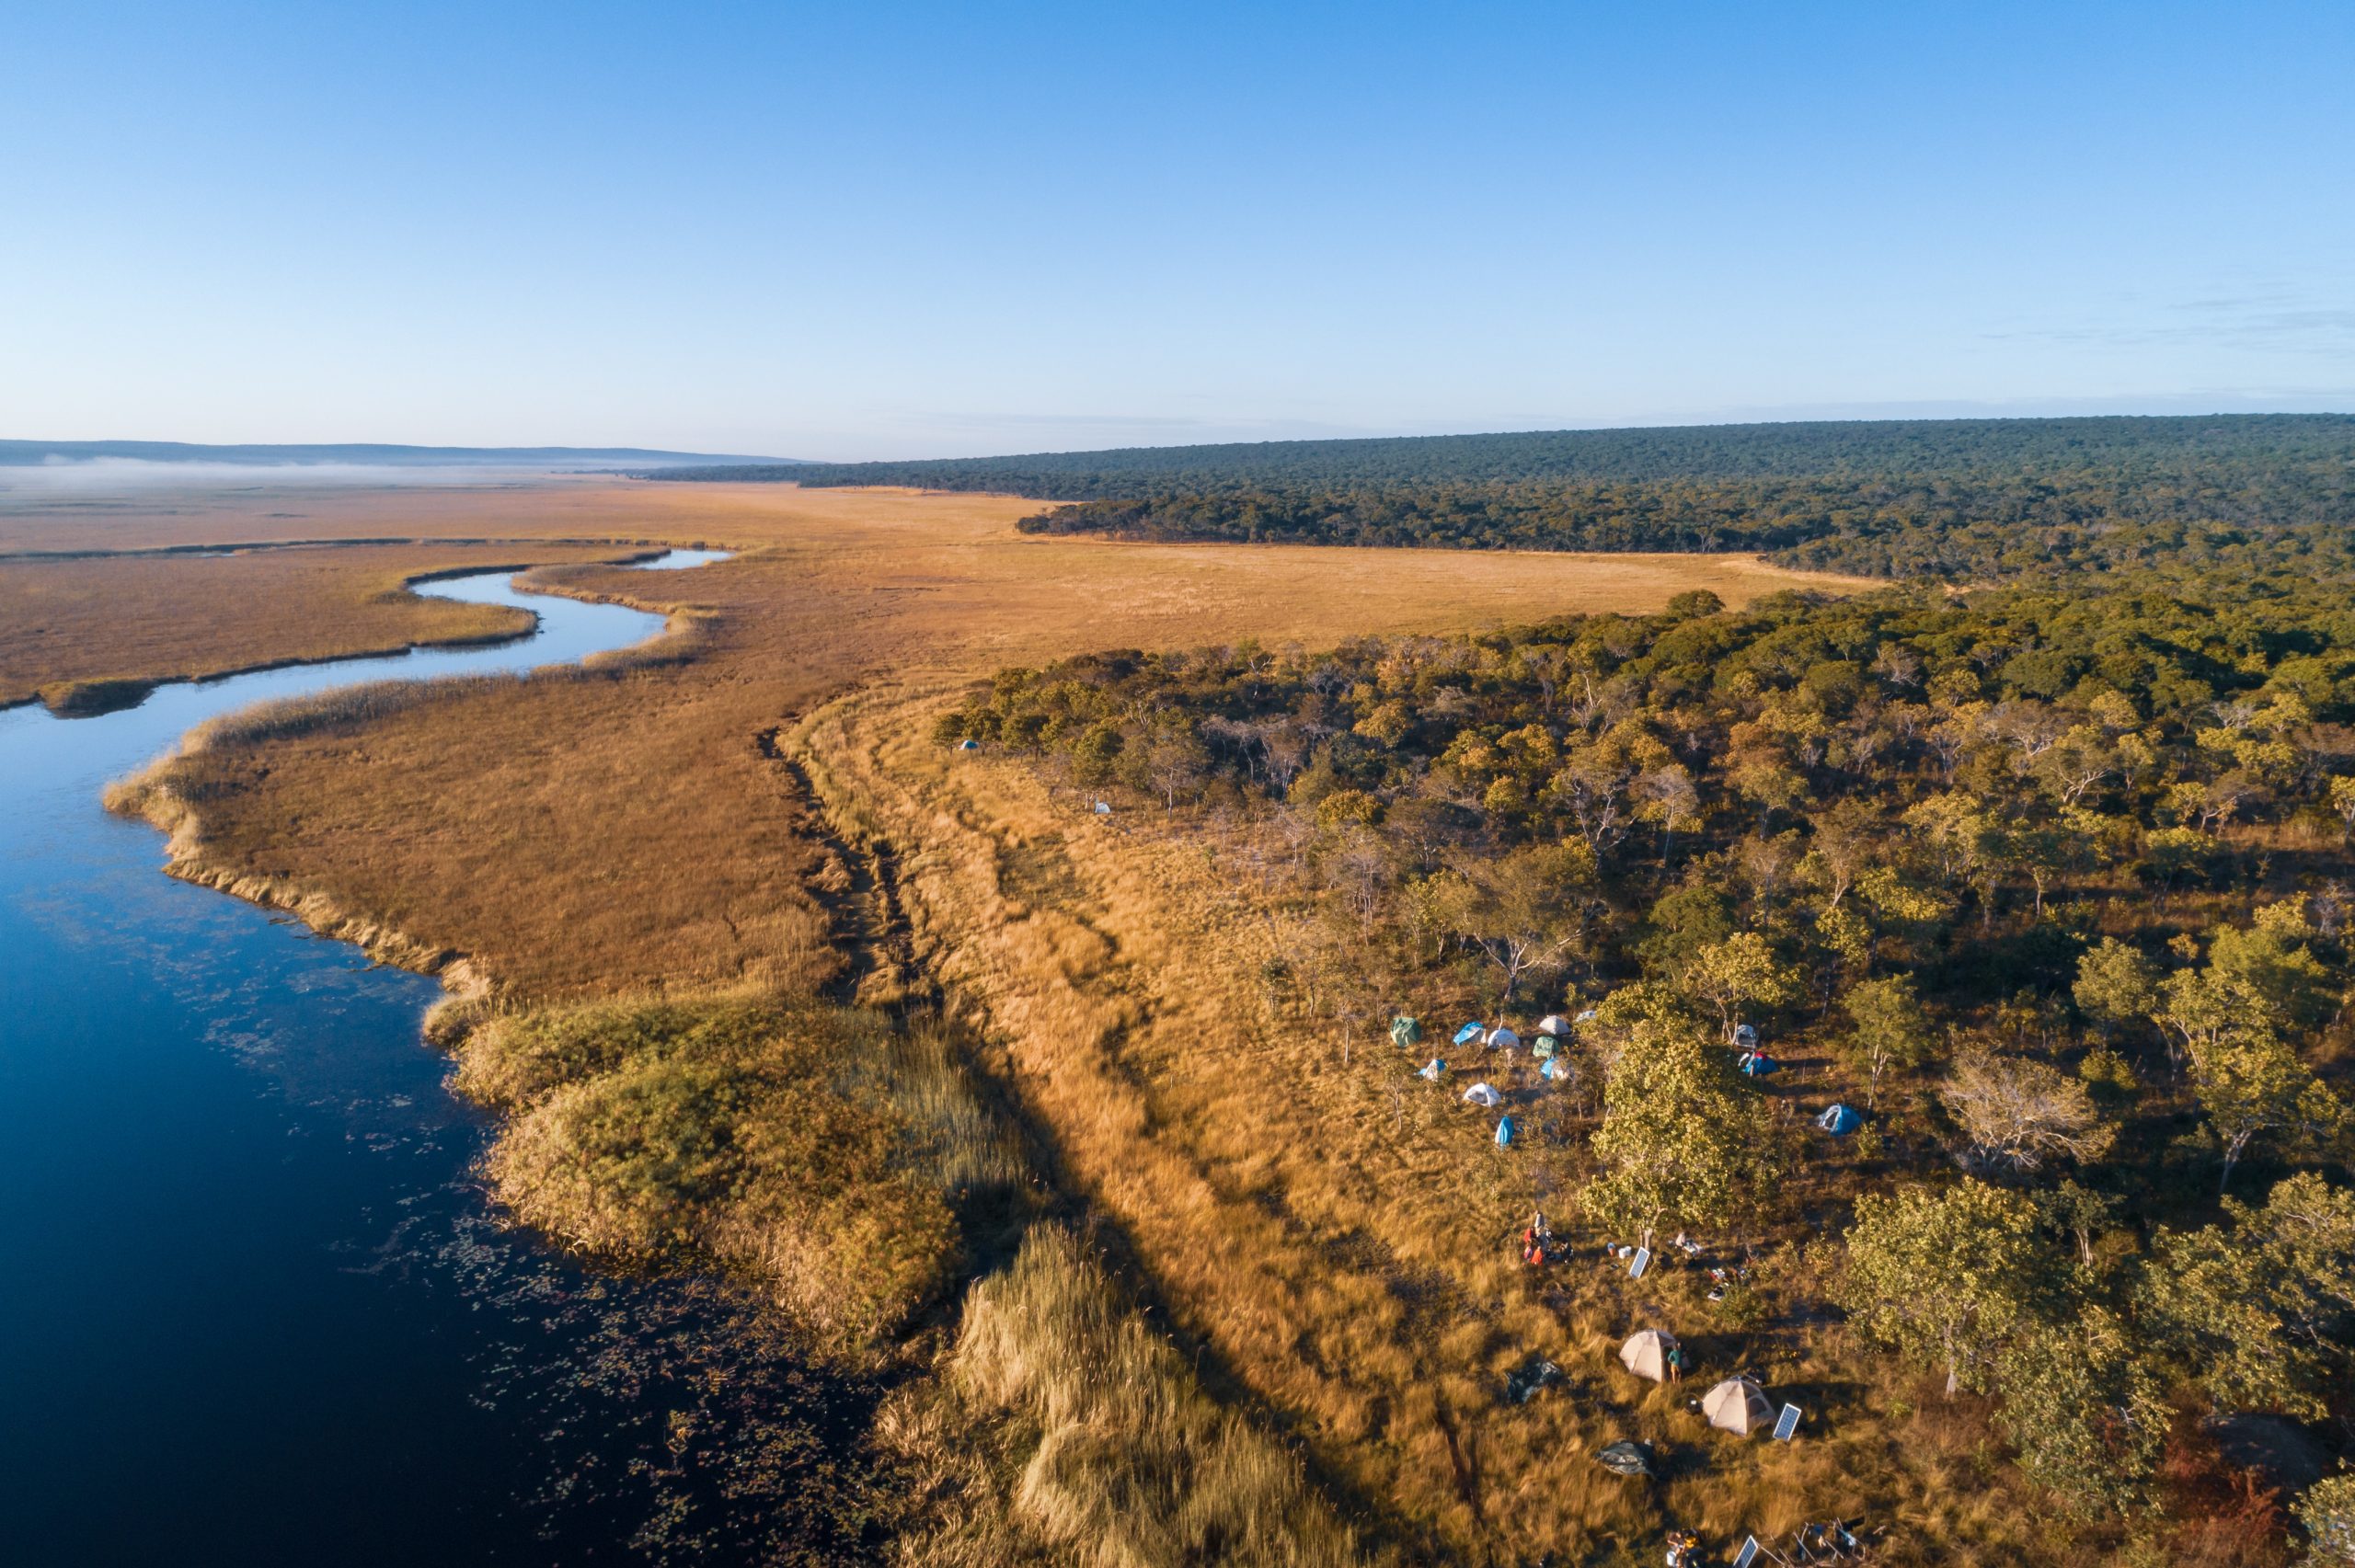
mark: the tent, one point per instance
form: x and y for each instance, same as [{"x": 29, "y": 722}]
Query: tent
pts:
[
  {"x": 1839, "y": 1120},
  {"x": 1432, "y": 1069},
  {"x": 1553, "y": 1023},
  {"x": 1406, "y": 1033},
  {"x": 968, "y": 746},
  {"x": 1470, "y": 1033},
  {"x": 1482, "y": 1095},
  {"x": 1745, "y": 1036},
  {"x": 1544, "y": 1046},
  {"x": 1503, "y": 1040},
  {"x": 1505, "y": 1130},
  {"x": 1103, "y": 809},
  {"x": 1645, "y": 1354},
  {"x": 1758, "y": 1064},
  {"x": 1739, "y": 1406},
  {"x": 1554, "y": 1067}
]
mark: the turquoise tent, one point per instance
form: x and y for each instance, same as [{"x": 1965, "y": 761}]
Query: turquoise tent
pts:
[
  {"x": 1839, "y": 1121},
  {"x": 1406, "y": 1033},
  {"x": 1505, "y": 1130}
]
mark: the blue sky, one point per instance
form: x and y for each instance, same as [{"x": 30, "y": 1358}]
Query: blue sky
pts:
[{"x": 888, "y": 230}]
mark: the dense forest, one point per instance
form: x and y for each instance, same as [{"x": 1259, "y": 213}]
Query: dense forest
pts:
[
  {"x": 1968, "y": 499},
  {"x": 2052, "y": 887}
]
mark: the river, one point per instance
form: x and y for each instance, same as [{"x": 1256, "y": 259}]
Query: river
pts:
[{"x": 253, "y": 1306}]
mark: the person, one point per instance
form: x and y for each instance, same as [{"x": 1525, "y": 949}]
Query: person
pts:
[
  {"x": 1684, "y": 1549},
  {"x": 1675, "y": 1364}
]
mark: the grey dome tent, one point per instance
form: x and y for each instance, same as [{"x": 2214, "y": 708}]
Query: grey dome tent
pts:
[
  {"x": 1645, "y": 1354},
  {"x": 1553, "y": 1023},
  {"x": 1502, "y": 1038},
  {"x": 1483, "y": 1096},
  {"x": 1739, "y": 1406}
]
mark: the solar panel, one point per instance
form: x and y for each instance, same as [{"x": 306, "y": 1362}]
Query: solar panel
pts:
[
  {"x": 1787, "y": 1424},
  {"x": 1643, "y": 1261},
  {"x": 1748, "y": 1554}
]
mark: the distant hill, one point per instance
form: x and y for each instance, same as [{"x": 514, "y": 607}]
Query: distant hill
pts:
[
  {"x": 1966, "y": 500},
  {"x": 23, "y": 455}
]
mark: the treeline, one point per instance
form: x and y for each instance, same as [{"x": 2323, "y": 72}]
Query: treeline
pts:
[
  {"x": 1961, "y": 498},
  {"x": 2055, "y": 882}
]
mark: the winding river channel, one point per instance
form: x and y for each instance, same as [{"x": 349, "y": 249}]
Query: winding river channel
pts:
[{"x": 253, "y": 1306}]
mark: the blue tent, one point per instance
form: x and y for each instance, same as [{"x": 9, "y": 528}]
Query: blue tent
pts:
[
  {"x": 1504, "y": 1133},
  {"x": 968, "y": 746},
  {"x": 1839, "y": 1121},
  {"x": 1470, "y": 1033},
  {"x": 1555, "y": 1067},
  {"x": 1433, "y": 1069},
  {"x": 1758, "y": 1064}
]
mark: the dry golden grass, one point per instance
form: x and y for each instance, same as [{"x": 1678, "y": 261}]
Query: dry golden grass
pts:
[
  {"x": 138, "y": 620},
  {"x": 643, "y": 828}
]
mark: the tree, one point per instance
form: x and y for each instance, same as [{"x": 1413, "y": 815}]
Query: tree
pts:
[
  {"x": 2086, "y": 1412},
  {"x": 1682, "y": 1139},
  {"x": 1521, "y": 909},
  {"x": 1743, "y": 968},
  {"x": 2327, "y": 1514},
  {"x": 2258, "y": 1312},
  {"x": 2251, "y": 1083},
  {"x": 2116, "y": 985},
  {"x": 1942, "y": 1275},
  {"x": 2018, "y": 1111},
  {"x": 2077, "y": 1212},
  {"x": 1890, "y": 1030}
]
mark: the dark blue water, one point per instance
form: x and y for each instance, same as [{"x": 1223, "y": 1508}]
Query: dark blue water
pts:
[{"x": 253, "y": 1309}]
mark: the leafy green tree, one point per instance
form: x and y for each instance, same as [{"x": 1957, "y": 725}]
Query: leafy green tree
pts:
[
  {"x": 2259, "y": 1312},
  {"x": 2085, "y": 1411},
  {"x": 1521, "y": 909},
  {"x": 2116, "y": 985},
  {"x": 1942, "y": 1275},
  {"x": 2327, "y": 1513},
  {"x": 2251, "y": 1084},
  {"x": 2077, "y": 1212},
  {"x": 1683, "y": 1140},
  {"x": 1742, "y": 969},
  {"x": 1888, "y": 1031}
]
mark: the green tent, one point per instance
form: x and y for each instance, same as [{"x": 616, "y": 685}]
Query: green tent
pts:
[
  {"x": 1544, "y": 1048},
  {"x": 1406, "y": 1033}
]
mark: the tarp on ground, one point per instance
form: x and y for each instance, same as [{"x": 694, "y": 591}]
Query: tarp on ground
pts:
[
  {"x": 1626, "y": 1458},
  {"x": 1645, "y": 1354},
  {"x": 1739, "y": 1406}
]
